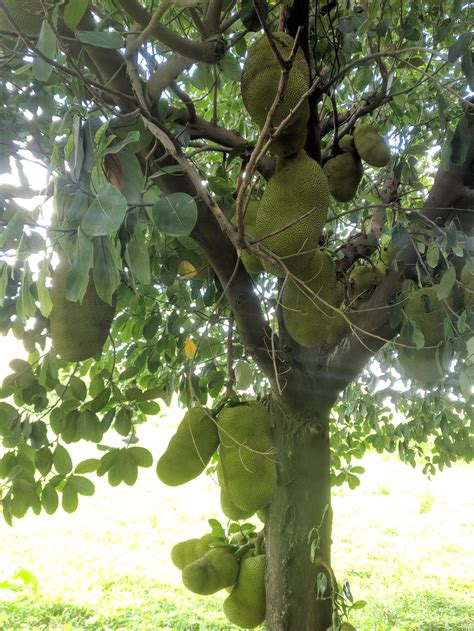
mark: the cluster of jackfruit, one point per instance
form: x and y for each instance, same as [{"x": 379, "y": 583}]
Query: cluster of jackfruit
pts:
[
  {"x": 344, "y": 172},
  {"x": 247, "y": 469},
  {"x": 78, "y": 329},
  {"x": 210, "y": 564},
  {"x": 260, "y": 80},
  {"x": 190, "y": 449}
]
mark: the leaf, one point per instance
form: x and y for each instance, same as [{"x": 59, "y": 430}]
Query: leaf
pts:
[
  {"x": 45, "y": 302},
  {"x": 176, "y": 214},
  {"x": 70, "y": 500},
  {"x": 467, "y": 65},
  {"x": 105, "y": 272},
  {"x": 142, "y": 456},
  {"x": 78, "y": 276},
  {"x": 25, "y": 306},
  {"x": 137, "y": 255},
  {"x": 62, "y": 460},
  {"x": 132, "y": 136},
  {"x": 12, "y": 232},
  {"x": 189, "y": 348},
  {"x": 106, "y": 213},
  {"x": 460, "y": 141},
  {"x": 123, "y": 422},
  {"x": 102, "y": 39},
  {"x": 50, "y": 499},
  {"x": 244, "y": 375},
  {"x": 133, "y": 178},
  {"x": 47, "y": 44},
  {"x": 78, "y": 388},
  {"x": 466, "y": 384},
  {"x": 400, "y": 237},
  {"x": 3, "y": 281},
  {"x": 82, "y": 485},
  {"x": 432, "y": 255},
  {"x": 248, "y": 15},
  {"x": 74, "y": 12},
  {"x": 446, "y": 283},
  {"x": 460, "y": 45}
]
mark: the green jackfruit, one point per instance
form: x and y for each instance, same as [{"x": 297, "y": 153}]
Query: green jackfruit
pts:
[
  {"x": 362, "y": 278},
  {"x": 251, "y": 263},
  {"x": 467, "y": 280},
  {"x": 344, "y": 173},
  {"x": 291, "y": 140},
  {"x": 229, "y": 509},
  {"x": 387, "y": 256},
  {"x": 371, "y": 146},
  {"x": 247, "y": 455},
  {"x": 294, "y": 205},
  {"x": 261, "y": 76},
  {"x": 428, "y": 312},
  {"x": 347, "y": 144},
  {"x": 217, "y": 569},
  {"x": 310, "y": 321},
  {"x": 78, "y": 330},
  {"x": 245, "y": 606},
  {"x": 422, "y": 365},
  {"x": 28, "y": 14},
  {"x": 186, "y": 552},
  {"x": 190, "y": 449}
]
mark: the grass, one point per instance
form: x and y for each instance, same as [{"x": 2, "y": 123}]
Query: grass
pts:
[{"x": 403, "y": 542}]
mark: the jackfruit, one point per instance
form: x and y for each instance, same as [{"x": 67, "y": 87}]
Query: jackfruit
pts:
[
  {"x": 294, "y": 205},
  {"x": 308, "y": 320},
  {"x": 28, "y": 14},
  {"x": 428, "y": 312},
  {"x": 245, "y": 606},
  {"x": 78, "y": 329},
  {"x": 261, "y": 77},
  {"x": 247, "y": 455},
  {"x": 344, "y": 173},
  {"x": 362, "y": 278},
  {"x": 229, "y": 509},
  {"x": 186, "y": 552},
  {"x": 190, "y": 449},
  {"x": 217, "y": 569},
  {"x": 371, "y": 146},
  {"x": 346, "y": 144},
  {"x": 387, "y": 256},
  {"x": 467, "y": 280},
  {"x": 422, "y": 365},
  {"x": 291, "y": 140},
  {"x": 251, "y": 263}
]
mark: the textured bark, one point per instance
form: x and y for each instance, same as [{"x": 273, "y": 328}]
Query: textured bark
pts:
[{"x": 300, "y": 513}]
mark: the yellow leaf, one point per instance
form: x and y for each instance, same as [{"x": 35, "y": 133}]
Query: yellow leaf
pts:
[
  {"x": 187, "y": 270},
  {"x": 190, "y": 348}
]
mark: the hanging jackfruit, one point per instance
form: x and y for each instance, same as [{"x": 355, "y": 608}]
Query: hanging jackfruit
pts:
[
  {"x": 294, "y": 206},
  {"x": 251, "y": 263},
  {"x": 308, "y": 318},
  {"x": 362, "y": 278},
  {"x": 371, "y": 146},
  {"x": 229, "y": 509},
  {"x": 217, "y": 569},
  {"x": 347, "y": 144},
  {"x": 28, "y": 14},
  {"x": 292, "y": 139},
  {"x": 78, "y": 329},
  {"x": 423, "y": 365},
  {"x": 428, "y": 312},
  {"x": 190, "y": 449},
  {"x": 261, "y": 76},
  {"x": 344, "y": 173},
  {"x": 247, "y": 455},
  {"x": 387, "y": 256},
  {"x": 186, "y": 552},
  {"x": 245, "y": 606}
]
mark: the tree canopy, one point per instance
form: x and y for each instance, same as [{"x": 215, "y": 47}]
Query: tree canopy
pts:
[{"x": 135, "y": 111}]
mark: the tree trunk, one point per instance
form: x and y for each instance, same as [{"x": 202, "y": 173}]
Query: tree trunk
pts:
[{"x": 299, "y": 521}]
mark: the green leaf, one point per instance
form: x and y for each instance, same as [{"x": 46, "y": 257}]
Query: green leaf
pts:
[
  {"x": 74, "y": 12},
  {"x": 432, "y": 255},
  {"x": 106, "y": 213},
  {"x": 81, "y": 262},
  {"x": 44, "y": 298},
  {"x": 25, "y": 306},
  {"x": 446, "y": 283},
  {"x": 176, "y": 214},
  {"x": 50, "y": 499},
  {"x": 123, "y": 422},
  {"x": 128, "y": 467},
  {"x": 44, "y": 460},
  {"x": 12, "y": 232},
  {"x": 105, "y": 273},
  {"x": 400, "y": 237},
  {"x": 70, "y": 500},
  {"x": 132, "y": 136},
  {"x": 47, "y": 44},
  {"x": 78, "y": 388},
  {"x": 142, "y": 456},
  {"x": 248, "y": 15},
  {"x": 460, "y": 142},
  {"x": 82, "y": 485},
  {"x": 467, "y": 384},
  {"x": 102, "y": 39},
  {"x": 62, "y": 460},
  {"x": 137, "y": 255},
  {"x": 3, "y": 281},
  {"x": 87, "y": 466},
  {"x": 133, "y": 178}
]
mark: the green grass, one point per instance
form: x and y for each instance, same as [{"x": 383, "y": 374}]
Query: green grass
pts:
[{"x": 404, "y": 544}]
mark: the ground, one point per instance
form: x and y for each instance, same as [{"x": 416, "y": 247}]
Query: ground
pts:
[{"x": 404, "y": 543}]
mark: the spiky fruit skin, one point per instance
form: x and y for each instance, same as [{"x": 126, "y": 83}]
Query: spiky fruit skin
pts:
[
  {"x": 247, "y": 455},
  {"x": 295, "y": 204},
  {"x": 371, "y": 146},
  {"x": 245, "y": 606},
  {"x": 78, "y": 330},
  {"x": 251, "y": 263},
  {"x": 186, "y": 552},
  {"x": 428, "y": 312},
  {"x": 190, "y": 449},
  {"x": 423, "y": 366},
  {"x": 362, "y": 278},
  {"x": 229, "y": 509},
  {"x": 261, "y": 76},
  {"x": 28, "y": 14},
  {"x": 347, "y": 143},
  {"x": 344, "y": 173},
  {"x": 217, "y": 569},
  {"x": 467, "y": 280},
  {"x": 307, "y": 317}
]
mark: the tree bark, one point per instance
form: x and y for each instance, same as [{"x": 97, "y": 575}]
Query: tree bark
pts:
[{"x": 299, "y": 520}]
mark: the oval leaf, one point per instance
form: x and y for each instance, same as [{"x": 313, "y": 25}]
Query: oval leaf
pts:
[
  {"x": 175, "y": 214},
  {"x": 106, "y": 213},
  {"x": 102, "y": 39}
]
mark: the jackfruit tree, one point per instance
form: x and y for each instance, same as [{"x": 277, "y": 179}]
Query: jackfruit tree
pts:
[{"x": 263, "y": 210}]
